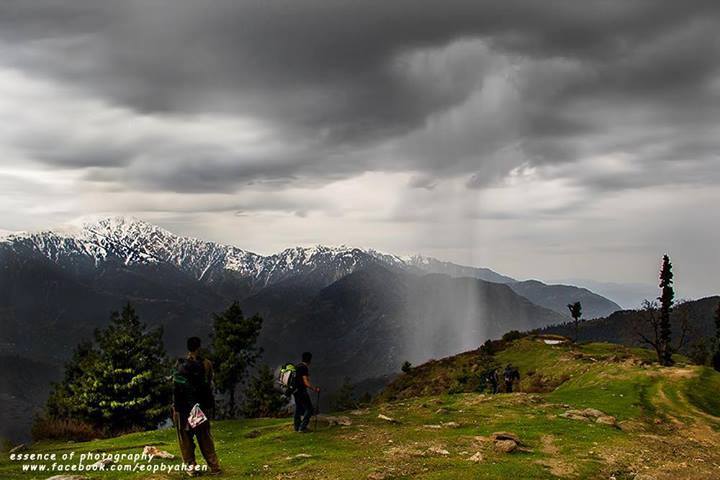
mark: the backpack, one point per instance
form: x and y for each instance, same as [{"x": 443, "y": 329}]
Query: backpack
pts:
[
  {"x": 286, "y": 378},
  {"x": 190, "y": 382}
]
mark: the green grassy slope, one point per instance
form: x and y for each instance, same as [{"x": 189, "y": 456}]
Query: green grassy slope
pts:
[{"x": 668, "y": 427}]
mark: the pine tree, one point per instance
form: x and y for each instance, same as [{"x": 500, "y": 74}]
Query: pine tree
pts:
[
  {"x": 344, "y": 398},
  {"x": 60, "y": 403},
  {"x": 406, "y": 367},
  {"x": 666, "y": 298},
  {"x": 234, "y": 349},
  {"x": 120, "y": 383},
  {"x": 262, "y": 399},
  {"x": 576, "y": 313}
]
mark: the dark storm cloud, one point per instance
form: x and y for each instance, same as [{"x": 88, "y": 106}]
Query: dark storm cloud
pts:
[{"x": 343, "y": 74}]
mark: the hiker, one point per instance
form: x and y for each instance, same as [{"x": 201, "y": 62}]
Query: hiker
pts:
[
  {"x": 303, "y": 405},
  {"x": 493, "y": 380},
  {"x": 192, "y": 385},
  {"x": 510, "y": 375}
]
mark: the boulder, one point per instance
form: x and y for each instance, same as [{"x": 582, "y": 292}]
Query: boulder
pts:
[
  {"x": 505, "y": 446},
  {"x": 477, "y": 458},
  {"x": 437, "y": 451},
  {"x": 607, "y": 420},
  {"x": 332, "y": 421},
  {"x": 101, "y": 464},
  {"x": 387, "y": 419},
  {"x": 154, "y": 452},
  {"x": 451, "y": 425},
  {"x": 506, "y": 436}
]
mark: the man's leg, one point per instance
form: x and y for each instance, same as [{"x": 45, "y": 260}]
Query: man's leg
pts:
[
  {"x": 309, "y": 411},
  {"x": 185, "y": 441},
  {"x": 207, "y": 446},
  {"x": 299, "y": 410}
]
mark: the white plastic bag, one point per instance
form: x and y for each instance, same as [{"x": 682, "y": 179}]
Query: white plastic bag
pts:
[{"x": 196, "y": 417}]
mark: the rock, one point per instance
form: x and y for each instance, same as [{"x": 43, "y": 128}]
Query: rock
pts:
[
  {"x": 101, "y": 464},
  {"x": 153, "y": 452},
  {"x": 18, "y": 448},
  {"x": 386, "y": 418},
  {"x": 253, "y": 434},
  {"x": 299, "y": 456},
  {"x": 451, "y": 425},
  {"x": 606, "y": 420},
  {"x": 437, "y": 451},
  {"x": 590, "y": 415},
  {"x": 477, "y": 458},
  {"x": 505, "y": 446},
  {"x": 332, "y": 421},
  {"x": 497, "y": 436},
  {"x": 360, "y": 411},
  {"x": 574, "y": 415},
  {"x": 433, "y": 426},
  {"x": 592, "y": 412}
]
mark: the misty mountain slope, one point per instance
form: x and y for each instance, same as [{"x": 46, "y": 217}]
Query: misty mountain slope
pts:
[
  {"x": 432, "y": 265},
  {"x": 372, "y": 320},
  {"x": 557, "y": 297}
]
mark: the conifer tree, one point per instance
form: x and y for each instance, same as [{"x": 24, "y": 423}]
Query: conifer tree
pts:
[
  {"x": 344, "y": 398},
  {"x": 262, "y": 399},
  {"x": 121, "y": 382},
  {"x": 666, "y": 299},
  {"x": 576, "y": 313},
  {"x": 234, "y": 350}
]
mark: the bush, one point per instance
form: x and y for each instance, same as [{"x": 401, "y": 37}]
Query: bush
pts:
[
  {"x": 47, "y": 428},
  {"x": 406, "y": 367},
  {"x": 512, "y": 335}
]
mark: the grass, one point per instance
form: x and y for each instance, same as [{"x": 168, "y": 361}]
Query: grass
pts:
[{"x": 611, "y": 378}]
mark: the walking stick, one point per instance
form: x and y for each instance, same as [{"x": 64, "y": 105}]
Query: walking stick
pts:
[{"x": 317, "y": 408}]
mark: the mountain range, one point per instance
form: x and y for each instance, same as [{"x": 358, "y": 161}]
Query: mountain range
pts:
[{"x": 361, "y": 311}]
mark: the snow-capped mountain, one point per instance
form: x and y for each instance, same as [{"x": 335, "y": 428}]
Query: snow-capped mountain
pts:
[
  {"x": 124, "y": 241},
  {"x": 129, "y": 241}
]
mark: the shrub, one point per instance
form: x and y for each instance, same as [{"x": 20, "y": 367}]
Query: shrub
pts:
[
  {"x": 48, "y": 428},
  {"x": 512, "y": 335}
]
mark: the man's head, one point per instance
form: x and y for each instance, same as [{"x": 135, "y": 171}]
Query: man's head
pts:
[
  {"x": 306, "y": 357},
  {"x": 193, "y": 344}
]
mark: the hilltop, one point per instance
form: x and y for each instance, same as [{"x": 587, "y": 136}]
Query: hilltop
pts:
[{"x": 657, "y": 423}]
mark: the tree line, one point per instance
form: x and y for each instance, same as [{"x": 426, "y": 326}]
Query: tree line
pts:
[{"x": 121, "y": 381}]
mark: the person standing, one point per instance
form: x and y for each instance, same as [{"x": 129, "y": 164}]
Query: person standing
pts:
[
  {"x": 493, "y": 380},
  {"x": 510, "y": 375},
  {"x": 192, "y": 385},
  {"x": 304, "y": 409}
]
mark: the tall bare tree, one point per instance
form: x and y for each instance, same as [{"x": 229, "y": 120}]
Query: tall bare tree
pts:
[{"x": 648, "y": 328}]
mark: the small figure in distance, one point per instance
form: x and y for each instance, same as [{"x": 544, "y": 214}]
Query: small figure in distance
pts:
[
  {"x": 493, "y": 380},
  {"x": 510, "y": 375}
]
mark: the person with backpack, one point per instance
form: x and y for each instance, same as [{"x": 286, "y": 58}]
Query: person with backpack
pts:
[
  {"x": 510, "y": 375},
  {"x": 193, "y": 404},
  {"x": 303, "y": 405},
  {"x": 493, "y": 380}
]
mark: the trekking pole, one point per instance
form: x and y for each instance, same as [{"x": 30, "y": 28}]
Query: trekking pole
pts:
[{"x": 317, "y": 408}]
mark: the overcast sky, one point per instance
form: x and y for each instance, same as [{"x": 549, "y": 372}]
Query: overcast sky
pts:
[{"x": 547, "y": 139}]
